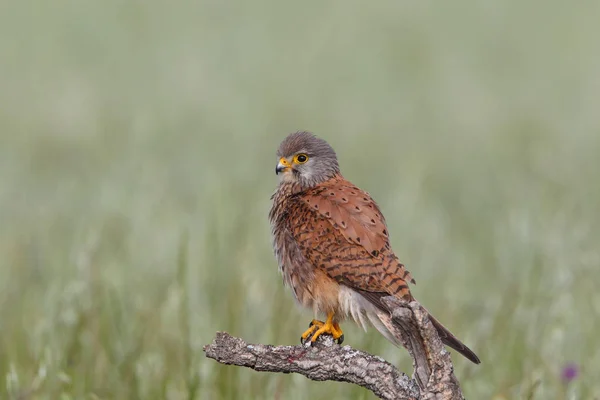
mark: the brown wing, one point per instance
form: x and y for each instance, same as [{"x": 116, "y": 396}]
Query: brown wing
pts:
[{"x": 340, "y": 230}]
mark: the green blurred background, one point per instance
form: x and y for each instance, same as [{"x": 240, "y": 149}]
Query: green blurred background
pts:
[{"x": 137, "y": 154}]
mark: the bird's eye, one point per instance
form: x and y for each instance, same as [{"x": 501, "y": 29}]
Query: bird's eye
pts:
[{"x": 300, "y": 158}]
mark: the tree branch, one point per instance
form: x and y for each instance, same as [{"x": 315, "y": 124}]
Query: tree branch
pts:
[{"x": 433, "y": 376}]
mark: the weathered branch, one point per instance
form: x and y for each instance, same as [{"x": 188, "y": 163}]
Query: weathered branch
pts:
[
  {"x": 433, "y": 376},
  {"x": 433, "y": 369}
]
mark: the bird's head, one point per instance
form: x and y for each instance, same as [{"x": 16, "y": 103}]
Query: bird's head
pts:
[{"x": 305, "y": 159}]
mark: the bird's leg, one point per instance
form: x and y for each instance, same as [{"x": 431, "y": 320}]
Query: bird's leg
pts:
[{"x": 317, "y": 328}]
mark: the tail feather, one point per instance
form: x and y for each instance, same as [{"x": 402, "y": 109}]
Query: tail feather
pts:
[
  {"x": 382, "y": 321},
  {"x": 450, "y": 340},
  {"x": 359, "y": 303}
]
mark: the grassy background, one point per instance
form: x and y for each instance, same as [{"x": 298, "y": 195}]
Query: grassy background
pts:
[{"x": 137, "y": 146}]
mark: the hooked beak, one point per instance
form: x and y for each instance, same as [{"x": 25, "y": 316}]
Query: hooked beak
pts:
[{"x": 282, "y": 166}]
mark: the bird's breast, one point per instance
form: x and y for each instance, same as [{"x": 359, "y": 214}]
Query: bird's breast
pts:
[{"x": 311, "y": 287}]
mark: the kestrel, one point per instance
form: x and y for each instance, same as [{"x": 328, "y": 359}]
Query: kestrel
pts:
[{"x": 332, "y": 244}]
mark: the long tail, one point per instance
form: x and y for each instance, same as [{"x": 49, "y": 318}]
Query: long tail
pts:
[
  {"x": 382, "y": 321},
  {"x": 450, "y": 340}
]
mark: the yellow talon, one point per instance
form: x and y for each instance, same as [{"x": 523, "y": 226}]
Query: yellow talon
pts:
[
  {"x": 312, "y": 327},
  {"x": 338, "y": 335},
  {"x": 317, "y": 328}
]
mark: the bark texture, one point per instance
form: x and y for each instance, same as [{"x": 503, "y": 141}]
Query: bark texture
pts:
[{"x": 433, "y": 375}]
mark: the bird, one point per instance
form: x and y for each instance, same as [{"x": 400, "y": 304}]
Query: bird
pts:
[{"x": 332, "y": 245}]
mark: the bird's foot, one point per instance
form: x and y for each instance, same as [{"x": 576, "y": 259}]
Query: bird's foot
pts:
[
  {"x": 314, "y": 325},
  {"x": 316, "y": 328}
]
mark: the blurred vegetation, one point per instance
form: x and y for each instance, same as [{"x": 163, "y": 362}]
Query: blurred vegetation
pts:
[{"x": 137, "y": 145}]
